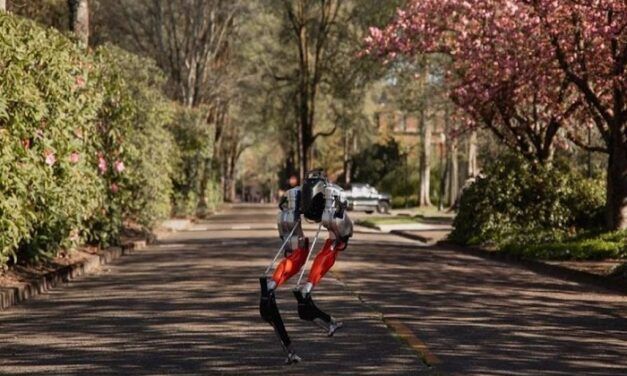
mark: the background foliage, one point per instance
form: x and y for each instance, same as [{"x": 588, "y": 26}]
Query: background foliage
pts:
[
  {"x": 88, "y": 142},
  {"x": 524, "y": 203},
  {"x": 48, "y": 187}
]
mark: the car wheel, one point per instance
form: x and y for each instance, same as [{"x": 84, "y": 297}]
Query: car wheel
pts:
[
  {"x": 369, "y": 211},
  {"x": 383, "y": 207}
]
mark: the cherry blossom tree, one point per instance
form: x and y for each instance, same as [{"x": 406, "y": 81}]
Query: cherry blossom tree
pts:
[
  {"x": 532, "y": 71},
  {"x": 588, "y": 40}
]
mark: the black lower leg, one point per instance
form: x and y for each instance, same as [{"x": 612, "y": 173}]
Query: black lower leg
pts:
[
  {"x": 270, "y": 313},
  {"x": 307, "y": 310}
]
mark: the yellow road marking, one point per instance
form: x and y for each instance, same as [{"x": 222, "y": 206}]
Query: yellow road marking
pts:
[
  {"x": 414, "y": 342},
  {"x": 399, "y": 328}
]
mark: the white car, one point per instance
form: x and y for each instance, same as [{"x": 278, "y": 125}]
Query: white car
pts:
[{"x": 364, "y": 197}]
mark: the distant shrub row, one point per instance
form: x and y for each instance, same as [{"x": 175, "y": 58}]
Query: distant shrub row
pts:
[
  {"x": 516, "y": 203},
  {"x": 87, "y": 141}
]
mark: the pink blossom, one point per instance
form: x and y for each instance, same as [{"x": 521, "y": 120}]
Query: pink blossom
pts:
[
  {"x": 119, "y": 166},
  {"x": 102, "y": 164},
  {"x": 50, "y": 158},
  {"x": 75, "y": 157},
  {"x": 80, "y": 82},
  {"x": 114, "y": 188}
]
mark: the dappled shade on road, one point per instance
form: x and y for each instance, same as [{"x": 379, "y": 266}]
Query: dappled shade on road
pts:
[
  {"x": 485, "y": 317},
  {"x": 190, "y": 306}
]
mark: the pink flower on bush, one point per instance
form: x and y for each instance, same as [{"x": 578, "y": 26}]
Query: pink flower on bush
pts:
[
  {"x": 119, "y": 166},
  {"x": 50, "y": 158},
  {"x": 114, "y": 188},
  {"x": 75, "y": 157},
  {"x": 102, "y": 164},
  {"x": 80, "y": 82}
]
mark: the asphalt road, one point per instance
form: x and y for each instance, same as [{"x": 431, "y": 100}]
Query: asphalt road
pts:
[{"x": 188, "y": 306}]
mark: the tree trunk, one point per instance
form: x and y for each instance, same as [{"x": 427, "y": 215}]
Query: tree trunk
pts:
[
  {"x": 302, "y": 154},
  {"x": 473, "y": 168},
  {"x": 347, "y": 157},
  {"x": 453, "y": 171},
  {"x": 425, "y": 163},
  {"x": 617, "y": 182},
  {"x": 232, "y": 171},
  {"x": 79, "y": 19},
  {"x": 424, "y": 198},
  {"x": 203, "y": 205}
]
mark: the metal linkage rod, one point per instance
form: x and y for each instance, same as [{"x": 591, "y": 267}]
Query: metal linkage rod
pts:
[
  {"x": 313, "y": 244},
  {"x": 287, "y": 239}
]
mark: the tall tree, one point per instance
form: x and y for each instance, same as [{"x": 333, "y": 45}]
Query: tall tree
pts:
[
  {"x": 554, "y": 65},
  {"x": 588, "y": 41},
  {"x": 79, "y": 19},
  {"x": 310, "y": 24},
  {"x": 192, "y": 41},
  {"x": 188, "y": 39},
  {"x": 317, "y": 58}
]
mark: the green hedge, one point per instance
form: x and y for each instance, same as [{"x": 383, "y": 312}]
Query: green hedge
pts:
[
  {"x": 192, "y": 171},
  {"x": 517, "y": 202},
  {"x": 88, "y": 140},
  {"x": 612, "y": 245},
  {"x": 48, "y": 187},
  {"x": 135, "y": 149}
]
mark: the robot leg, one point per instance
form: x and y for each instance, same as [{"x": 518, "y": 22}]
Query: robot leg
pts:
[
  {"x": 290, "y": 265},
  {"x": 307, "y": 309},
  {"x": 268, "y": 308},
  {"x": 270, "y": 313}
]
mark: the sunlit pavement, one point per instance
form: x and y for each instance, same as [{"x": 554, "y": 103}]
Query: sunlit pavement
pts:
[{"x": 189, "y": 306}]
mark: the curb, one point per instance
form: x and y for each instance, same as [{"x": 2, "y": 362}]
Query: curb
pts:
[
  {"x": 539, "y": 267},
  {"x": 11, "y": 296},
  {"x": 404, "y": 234}
]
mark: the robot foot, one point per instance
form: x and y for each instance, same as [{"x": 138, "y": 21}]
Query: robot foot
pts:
[
  {"x": 308, "y": 311},
  {"x": 329, "y": 327},
  {"x": 292, "y": 357},
  {"x": 270, "y": 314},
  {"x": 334, "y": 327}
]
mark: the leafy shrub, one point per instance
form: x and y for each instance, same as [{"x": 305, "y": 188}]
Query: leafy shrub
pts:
[
  {"x": 47, "y": 107},
  {"x": 398, "y": 202},
  {"x": 84, "y": 143},
  {"x": 516, "y": 202},
  {"x": 193, "y": 180},
  {"x": 87, "y": 142},
  {"x": 134, "y": 145}
]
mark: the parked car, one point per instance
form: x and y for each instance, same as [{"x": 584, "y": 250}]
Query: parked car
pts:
[{"x": 364, "y": 197}]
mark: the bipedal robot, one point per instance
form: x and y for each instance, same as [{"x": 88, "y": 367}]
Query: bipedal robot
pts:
[{"x": 324, "y": 203}]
